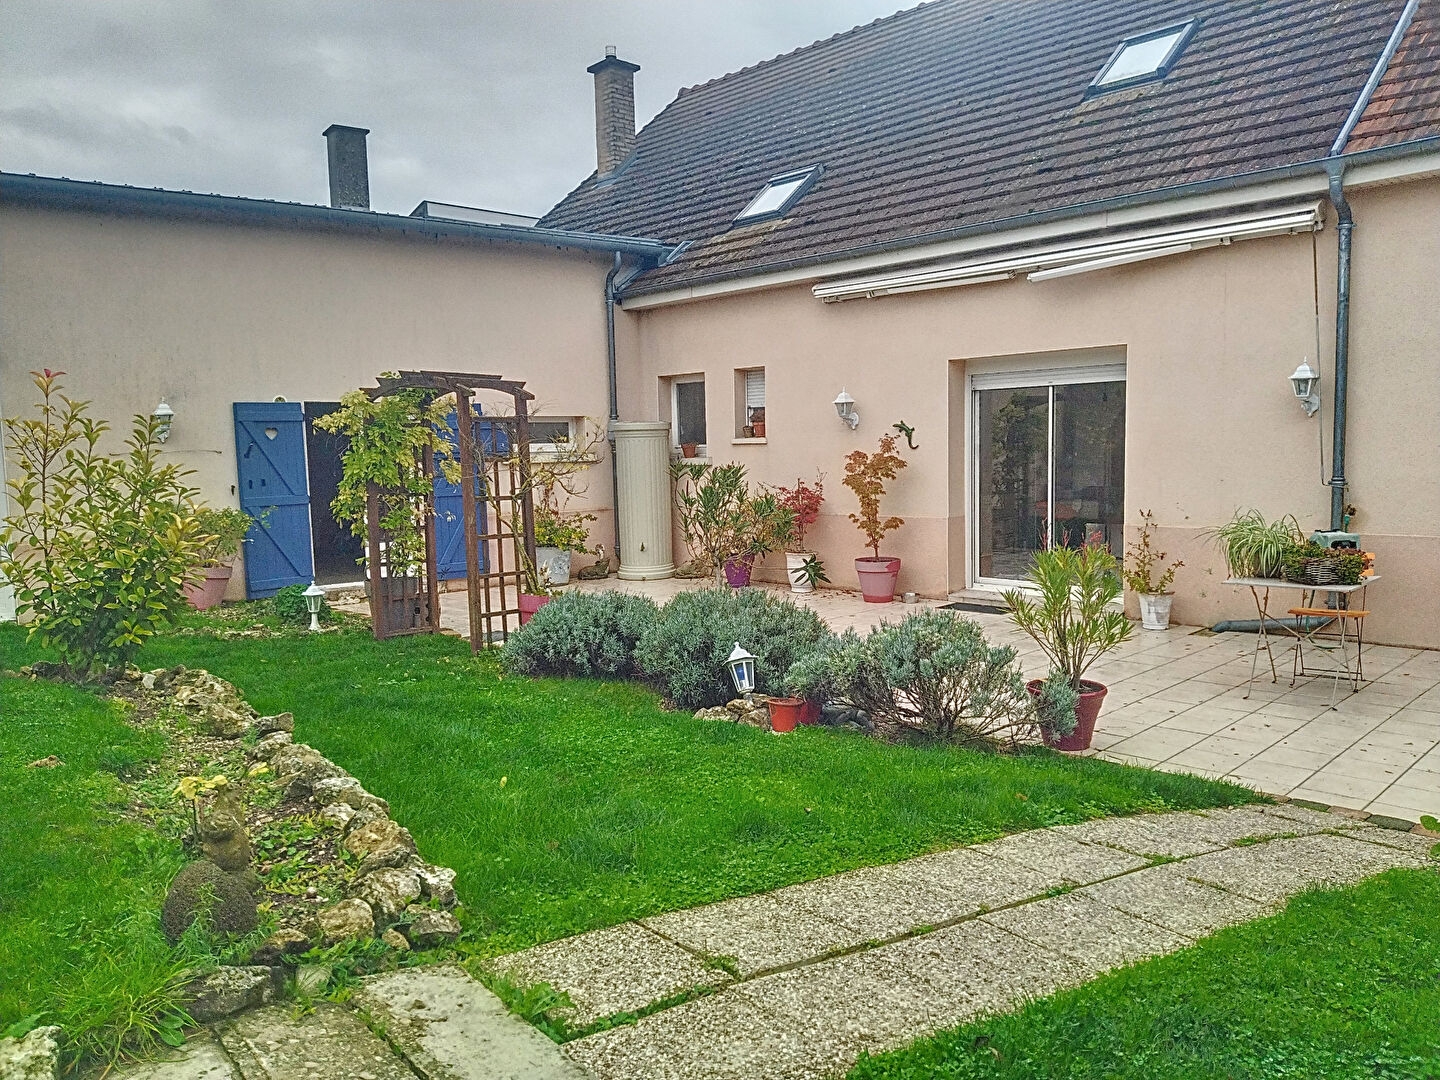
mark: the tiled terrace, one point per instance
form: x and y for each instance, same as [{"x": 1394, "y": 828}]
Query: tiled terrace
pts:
[{"x": 1177, "y": 702}]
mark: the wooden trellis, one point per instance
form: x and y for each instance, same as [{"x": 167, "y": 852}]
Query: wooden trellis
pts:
[{"x": 502, "y": 482}]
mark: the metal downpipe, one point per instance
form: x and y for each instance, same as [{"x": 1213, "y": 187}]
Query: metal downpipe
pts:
[
  {"x": 1342, "y": 341},
  {"x": 614, "y": 397}
]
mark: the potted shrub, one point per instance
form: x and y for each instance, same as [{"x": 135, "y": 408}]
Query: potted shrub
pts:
[
  {"x": 763, "y": 525},
  {"x": 1311, "y": 564},
  {"x": 1073, "y": 623},
  {"x": 1254, "y": 547},
  {"x": 866, "y": 475},
  {"x": 1141, "y": 563},
  {"x": 557, "y": 537},
  {"x": 226, "y": 530},
  {"x": 803, "y": 500}
]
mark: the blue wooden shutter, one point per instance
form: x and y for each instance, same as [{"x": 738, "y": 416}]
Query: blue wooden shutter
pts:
[
  {"x": 275, "y": 491},
  {"x": 449, "y": 513}
]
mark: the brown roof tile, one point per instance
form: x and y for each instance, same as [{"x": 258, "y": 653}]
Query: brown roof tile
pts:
[
  {"x": 966, "y": 112},
  {"x": 1406, "y": 104}
]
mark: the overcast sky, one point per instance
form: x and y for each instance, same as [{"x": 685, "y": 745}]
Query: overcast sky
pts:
[{"x": 481, "y": 102}]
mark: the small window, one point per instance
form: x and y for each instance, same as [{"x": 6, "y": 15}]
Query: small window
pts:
[
  {"x": 779, "y": 194},
  {"x": 1143, "y": 58},
  {"x": 687, "y": 411},
  {"x": 750, "y": 403},
  {"x": 551, "y": 432}
]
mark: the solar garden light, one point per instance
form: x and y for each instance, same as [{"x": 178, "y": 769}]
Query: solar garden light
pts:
[
  {"x": 164, "y": 416},
  {"x": 1306, "y": 382},
  {"x": 845, "y": 406},
  {"x": 314, "y": 597},
  {"x": 742, "y": 670}
]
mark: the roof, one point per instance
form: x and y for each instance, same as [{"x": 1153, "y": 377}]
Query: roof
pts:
[
  {"x": 960, "y": 113},
  {"x": 65, "y": 194},
  {"x": 1406, "y": 104}
]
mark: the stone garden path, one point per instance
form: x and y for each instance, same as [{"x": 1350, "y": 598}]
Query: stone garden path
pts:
[{"x": 797, "y": 982}]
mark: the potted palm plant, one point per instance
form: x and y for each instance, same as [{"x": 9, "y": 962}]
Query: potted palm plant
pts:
[
  {"x": 1141, "y": 563},
  {"x": 1074, "y": 624},
  {"x": 1254, "y": 547},
  {"x": 226, "y": 529},
  {"x": 803, "y": 500},
  {"x": 866, "y": 475}
]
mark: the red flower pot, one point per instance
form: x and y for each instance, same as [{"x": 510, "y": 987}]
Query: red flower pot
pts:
[
  {"x": 1087, "y": 711},
  {"x": 785, "y": 713},
  {"x": 810, "y": 714},
  {"x": 209, "y": 590},
  {"x": 877, "y": 578},
  {"x": 738, "y": 569},
  {"x": 529, "y": 604}
]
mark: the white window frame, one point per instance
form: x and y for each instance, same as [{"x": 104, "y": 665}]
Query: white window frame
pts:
[
  {"x": 675, "y": 381},
  {"x": 571, "y": 422},
  {"x": 804, "y": 179},
  {"x": 1186, "y": 31}
]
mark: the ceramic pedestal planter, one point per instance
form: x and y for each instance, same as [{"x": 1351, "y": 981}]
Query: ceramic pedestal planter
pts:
[
  {"x": 738, "y": 569},
  {"x": 529, "y": 604},
  {"x": 786, "y": 712},
  {"x": 555, "y": 562},
  {"x": 1087, "y": 710},
  {"x": 1155, "y": 610},
  {"x": 210, "y": 590},
  {"x": 810, "y": 713},
  {"x": 877, "y": 578},
  {"x": 795, "y": 571}
]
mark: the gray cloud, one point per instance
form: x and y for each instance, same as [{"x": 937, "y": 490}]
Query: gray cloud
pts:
[{"x": 482, "y": 103}]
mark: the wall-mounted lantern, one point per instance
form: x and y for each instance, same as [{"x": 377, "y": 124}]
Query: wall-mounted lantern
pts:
[
  {"x": 164, "y": 416},
  {"x": 742, "y": 670},
  {"x": 845, "y": 407},
  {"x": 1306, "y": 383}
]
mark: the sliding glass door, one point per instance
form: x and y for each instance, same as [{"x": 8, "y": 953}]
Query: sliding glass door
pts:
[{"x": 1049, "y": 463}]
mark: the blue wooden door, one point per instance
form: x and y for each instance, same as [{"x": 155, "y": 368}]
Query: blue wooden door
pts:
[
  {"x": 450, "y": 510},
  {"x": 275, "y": 491}
]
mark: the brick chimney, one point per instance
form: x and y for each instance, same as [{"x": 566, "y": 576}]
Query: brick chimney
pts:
[
  {"x": 614, "y": 111},
  {"x": 349, "y": 167}
]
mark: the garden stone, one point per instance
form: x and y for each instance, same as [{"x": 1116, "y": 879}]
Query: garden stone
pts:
[
  {"x": 202, "y": 884},
  {"x": 395, "y": 940},
  {"x": 300, "y": 767},
  {"x": 284, "y": 942},
  {"x": 222, "y": 830},
  {"x": 394, "y": 857},
  {"x": 267, "y": 725},
  {"x": 429, "y": 928},
  {"x": 227, "y": 990},
  {"x": 437, "y": 883},
  {"x": 347, "y": 919},
  {"x": 378, "y": 834},
  {"x": 338, "y": 814},
  {"x": 388, "y": 891},
  {"x": 346, "y": 789},
  {"x": 148, "y": 680},
  {"x": 34, "y": 1056},
  {"x": 329, "y": 1042},
  {"x": 268, "y": 747}
]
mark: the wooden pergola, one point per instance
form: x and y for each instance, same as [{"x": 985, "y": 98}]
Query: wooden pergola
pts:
[{"x": 502, "y": 482}]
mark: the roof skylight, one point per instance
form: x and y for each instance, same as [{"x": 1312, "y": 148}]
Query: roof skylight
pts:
[
  {"x": 779, "y": 194},
  {"x": 1143, "y": 58}
]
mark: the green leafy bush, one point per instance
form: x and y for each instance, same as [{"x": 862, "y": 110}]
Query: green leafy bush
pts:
[
  {"x": 684, "y": 651},
  {"x": 289, "y": 606},
  {"x": 582, "y": 635},
  {"x": 932, "y": 672},
  {"x": 226, "y": 529},
  {"x": 100, "y": 545}
]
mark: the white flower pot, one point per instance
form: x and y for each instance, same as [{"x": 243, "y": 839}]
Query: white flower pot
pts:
[
  {"x": 1155, "y": 610},
  {"x": 555, "y": 562},
  {"x": 795, "y": 571}
]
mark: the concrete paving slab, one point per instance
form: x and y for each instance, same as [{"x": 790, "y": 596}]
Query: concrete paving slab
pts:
[
  {"x": 618, "y": 969},
  {"x": 1153, "y": 835},
  {"x": 1095, "y": 936},
  {"x": 1414, "y": 843},
  {"x": 1319, "y": 819},
  {"x": 1275, "y": 871},
  {"x": 449, "y": 1027},
  {"x": 759, "y": 933},
  {"x": 1230, "y": 824},
  {"x": 201, "y": 1058},
  {"x": 1043, "y": 850},
  {"x": 1166, "y": 895},
  {"x": 332, "y": 1043}
]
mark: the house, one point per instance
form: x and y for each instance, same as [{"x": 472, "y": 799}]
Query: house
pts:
[{"x": 1079, "y": 249}]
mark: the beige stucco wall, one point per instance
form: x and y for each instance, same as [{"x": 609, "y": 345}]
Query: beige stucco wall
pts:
[
  {"x": 1209, "y": 338},
  {"x": 135, "y": 309}
]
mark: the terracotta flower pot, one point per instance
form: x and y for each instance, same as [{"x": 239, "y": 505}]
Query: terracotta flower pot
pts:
[
  {"x": 209, "y": 590},
  {"x": 759, "y": 429},
  {"x": 810, "y": 714},
  {"x": 689, "y": 449},
  {"x": 877, "y": 578},
  {"x": 786, "y": 712},
  {"x": 529, "y": 604},
  {"x": 1087, "y": 711},
  {"x": 738, "y": 569}
]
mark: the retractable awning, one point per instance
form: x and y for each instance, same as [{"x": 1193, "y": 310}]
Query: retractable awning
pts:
[{"x": 1043, "y": 264}]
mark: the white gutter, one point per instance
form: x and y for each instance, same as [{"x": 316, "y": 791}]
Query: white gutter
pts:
[{"x": 1042, "y": 264}]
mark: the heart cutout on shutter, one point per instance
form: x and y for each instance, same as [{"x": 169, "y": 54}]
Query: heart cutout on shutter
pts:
[{"x": 271, "y": 432}]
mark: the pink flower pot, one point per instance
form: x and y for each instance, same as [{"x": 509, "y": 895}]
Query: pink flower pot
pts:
[
  {"x": 738, "y": 569},
  {"x": 1087, "y": 711},
  {"x": 208, "y": 591},
  {"x": 810, "y": 714},
  {"x": 529, "y": 604},
  {"x": 877, "y": 578}
]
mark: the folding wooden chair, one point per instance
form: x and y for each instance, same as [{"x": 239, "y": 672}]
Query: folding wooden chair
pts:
[{"x": 1342, "y": 618}]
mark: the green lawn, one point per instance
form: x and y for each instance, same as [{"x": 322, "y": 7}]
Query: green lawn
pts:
[
  {"x": 566, "y": 806},
  {"x": 80, "y": 886},
  {"x": 1342, "y": 986}
]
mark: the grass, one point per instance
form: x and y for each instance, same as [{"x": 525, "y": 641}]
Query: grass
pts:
[
  {"x": 1342, "y": 985},
  {"x": 566, "y": 806},
  {"x": 80, "y": 886}
]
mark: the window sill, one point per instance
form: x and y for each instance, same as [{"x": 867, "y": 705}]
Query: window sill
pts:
[
  {"x": 550, "y": 454},
  {"x": 747, "y": 442},
  {"x": 698, "y": 459}
]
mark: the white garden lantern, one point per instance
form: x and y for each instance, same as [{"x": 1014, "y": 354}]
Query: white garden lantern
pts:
[
  {"x": 314, "y": 597},
  {"x": 742, "y": 670}
]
